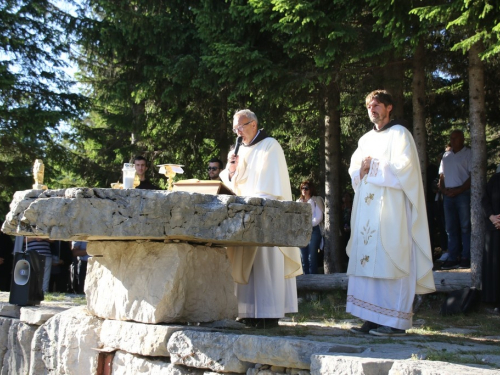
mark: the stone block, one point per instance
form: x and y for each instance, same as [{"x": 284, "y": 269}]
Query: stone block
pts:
[
  {"x": 154, "y": 282},
  {"x": 419, "y": 367},
  {"x": 17, "y": 357},
  {"x": 5, "y": 324},
  {"x": 8, "y": 310},
  {"x": 209, "y": 350},
  {"x": 344, "y": 365},
  {"x": 38, "y": 315},
  {"x": 96, "y": 214},
  {"x": 286, "y": 352},
  {"x": 138, "y": 338},
  {"x": 125, "y": 364},
  {"x": 65, "y": 344}
]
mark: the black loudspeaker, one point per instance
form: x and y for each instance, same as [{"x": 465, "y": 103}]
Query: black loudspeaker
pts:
[{"x": 27, "y": 279}]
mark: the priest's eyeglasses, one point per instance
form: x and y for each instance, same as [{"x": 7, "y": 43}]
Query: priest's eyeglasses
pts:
[{"x": 239, "y": 128}]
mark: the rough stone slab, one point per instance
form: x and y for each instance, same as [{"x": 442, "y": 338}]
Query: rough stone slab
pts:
[
  {"x": 17, "y": 357},
  {"x": 65, "y": 344},
  {"x": 125, "y": 364},
  {"x": 210, "y": 350},
  {"x": 8, "y": 310},
  {"x": 418, "y": 367},
  {"x": 38, "y": 315},
  {"x": 264, "y": 370},
  {"x": 96, "y": 214},
  {"x": 138, "y": 338},
  {"x": 446, "y": 281},
  {"x": 286, "y": 352},
  {"x": 154, "y": 282},
  {"x": 343, "y": 365},
  {"x": 5, "y": 324}
]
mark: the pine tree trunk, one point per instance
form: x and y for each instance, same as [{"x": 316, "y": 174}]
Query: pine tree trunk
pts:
[
  {"x": 394, "y": 75},
  {"x": 333, "y": 248},
  {"x": 321, "y": 156},
  {"x": 477, "y": 119},
  {"x": 222, "y": 139},
  {"x": 418, "y": 88}
]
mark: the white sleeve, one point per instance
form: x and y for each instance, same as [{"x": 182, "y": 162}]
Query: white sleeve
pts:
[
  {"x": 355, "y": 168},
  {"x": 355, "y": 180},
  {"x": 380, "y": 174}
]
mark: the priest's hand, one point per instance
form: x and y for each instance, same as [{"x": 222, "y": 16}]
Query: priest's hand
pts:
[
  {"x": 232, "y": 165},
  {"x": 365, "y": 167}
]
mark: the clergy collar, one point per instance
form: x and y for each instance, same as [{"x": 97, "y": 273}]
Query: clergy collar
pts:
[
  {"x": 261, "y": 135},
  {"x": 390, "y": 124}
]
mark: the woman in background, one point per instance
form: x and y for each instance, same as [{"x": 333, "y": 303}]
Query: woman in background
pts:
[{"x": 309, "y": 253}]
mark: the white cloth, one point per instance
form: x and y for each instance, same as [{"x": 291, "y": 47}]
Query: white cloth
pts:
[
  {"x": 456, "y": 167},
  {"x": 317, "y": 213},
  {"x": 390, "y": 255},
  {"x": 268, "y": 293},
  {"x": 268, "y": 289},
  {"x": 382, "y": 301}
]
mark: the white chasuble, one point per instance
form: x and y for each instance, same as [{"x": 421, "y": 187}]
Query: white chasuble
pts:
[
  {"x": 381, "y": 238},
  {"x": 264, "y": 276},
  {"x": 389, "y": 249}
]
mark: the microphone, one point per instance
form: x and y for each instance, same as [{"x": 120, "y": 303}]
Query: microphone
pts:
[{"x": 238, "y": 144}]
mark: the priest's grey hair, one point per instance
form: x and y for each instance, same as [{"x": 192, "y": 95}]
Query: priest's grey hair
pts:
[{"x": 247, "y": 113}]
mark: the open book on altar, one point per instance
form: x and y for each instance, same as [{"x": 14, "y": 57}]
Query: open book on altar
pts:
[{"x": 213, "y": 187}]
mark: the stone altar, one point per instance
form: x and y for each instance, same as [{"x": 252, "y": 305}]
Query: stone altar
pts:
[{"x": 158, "y": 256}]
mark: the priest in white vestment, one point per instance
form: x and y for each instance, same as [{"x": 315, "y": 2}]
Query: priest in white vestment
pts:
[
  {"x": 265, "y": 276},
  {"x": 390, "y": 258}
]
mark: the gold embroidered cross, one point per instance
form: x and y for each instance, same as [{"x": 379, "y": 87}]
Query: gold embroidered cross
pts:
[{"x": 369, "y": 198}]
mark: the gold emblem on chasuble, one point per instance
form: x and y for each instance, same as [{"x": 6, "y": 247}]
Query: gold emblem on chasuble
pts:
[
  {"x": 367, "y": 232},
  {"x": 369, "y": 198}
]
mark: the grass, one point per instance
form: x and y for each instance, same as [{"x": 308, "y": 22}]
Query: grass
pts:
[
  {"x": 326, "y": 307},
  {"x": 457, "y": 357},
  {"x": 78, "y": 299}
]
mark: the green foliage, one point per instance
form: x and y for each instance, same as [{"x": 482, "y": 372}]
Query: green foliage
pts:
[
  {"x": 35, "y": 93},
  {"x": 473, "y": 21}
]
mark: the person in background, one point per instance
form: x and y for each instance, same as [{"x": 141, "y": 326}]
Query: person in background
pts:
[
  {"x": 79, "y": 249},
  {"x": 42, "y": 247},
  {"x": 454, "y": 183},
  {"x": 215, "y": 167},
  {"x": 61, "y": 261},
  {"x": 309, "y": 253},
  {"x": 440, "y": 218},
  {"x": 6, "y": 260},
  {"x": 491, "y": 255},
  {"x": 141, "y": 168},
  {"x": 390, "y": 258},
  {"x": 265, "y": 276}
]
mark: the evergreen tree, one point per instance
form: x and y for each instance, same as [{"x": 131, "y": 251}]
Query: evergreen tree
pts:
[{"x": 35, "y": 92}]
